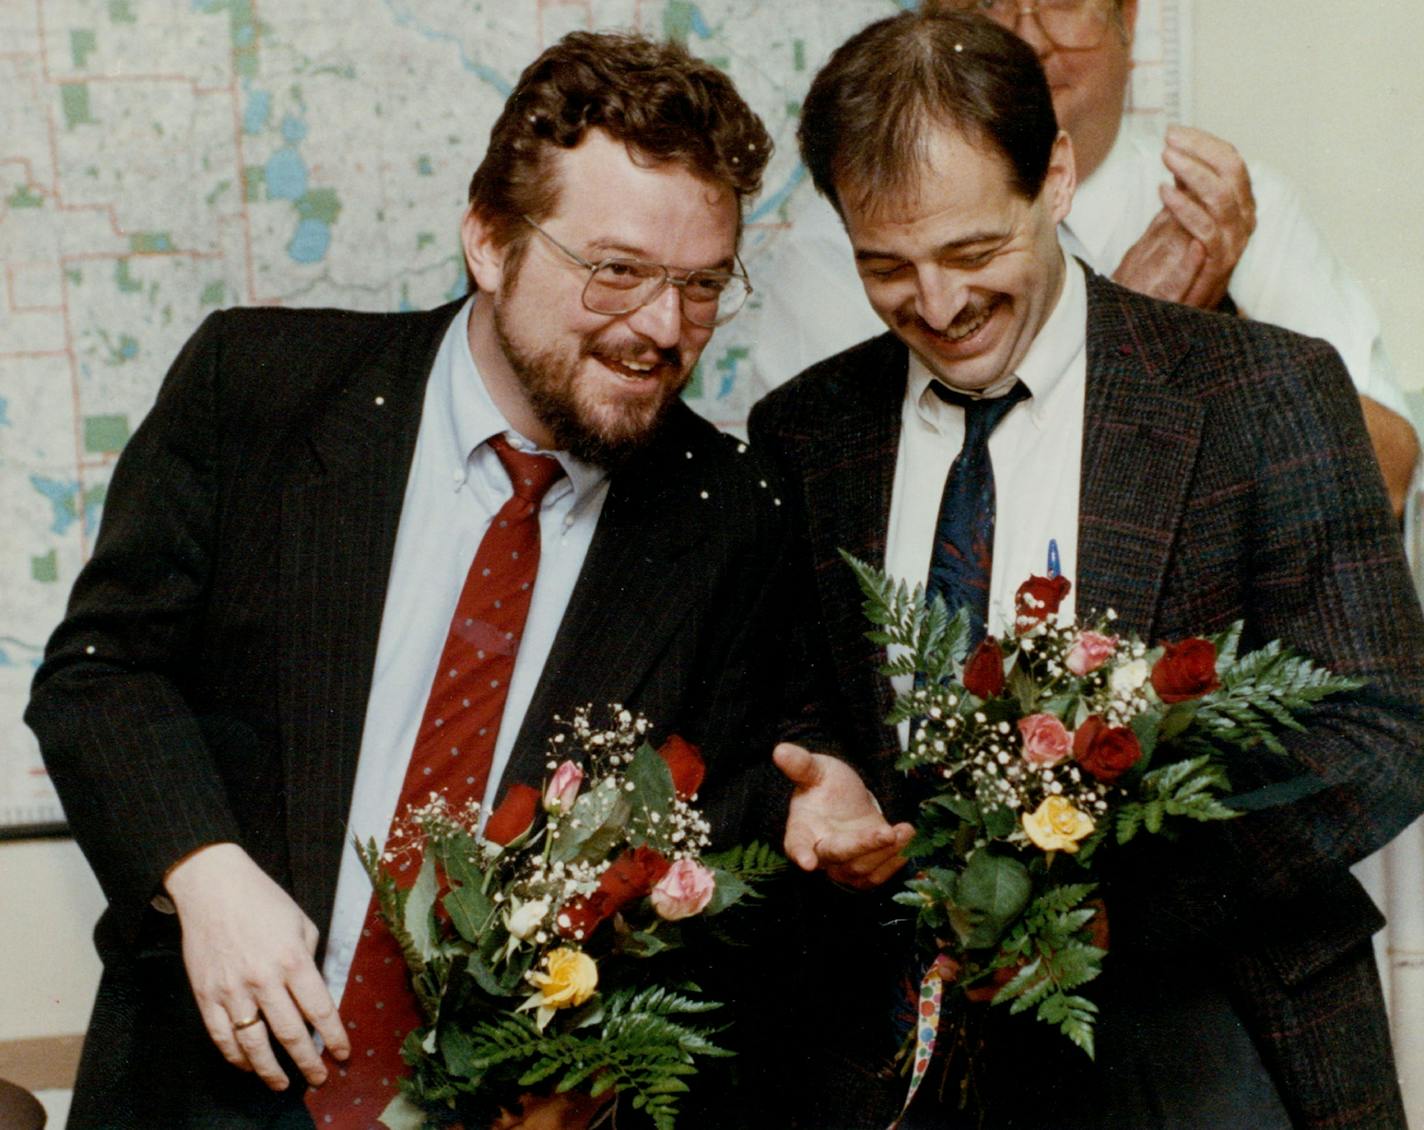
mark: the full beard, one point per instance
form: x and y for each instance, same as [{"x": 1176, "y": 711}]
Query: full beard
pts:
[{"x": 608, "y": 438}]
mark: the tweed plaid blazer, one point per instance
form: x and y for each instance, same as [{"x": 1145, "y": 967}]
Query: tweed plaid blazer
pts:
[
  {"x": 1226, "y": 475},
  {"x": 209, "y": 680}
]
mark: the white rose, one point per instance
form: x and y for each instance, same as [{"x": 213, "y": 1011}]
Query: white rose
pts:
[
  {"x": 525, "y": 918},
  {"x": 1129, "y": 677}
]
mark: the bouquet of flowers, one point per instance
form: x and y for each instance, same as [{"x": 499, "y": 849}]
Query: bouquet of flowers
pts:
[
  {"x": 1043, "y": 748},
  {"x": 539, "y": 949}
]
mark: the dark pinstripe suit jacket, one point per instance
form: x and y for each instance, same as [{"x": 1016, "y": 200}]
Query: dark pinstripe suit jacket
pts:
[
  {"x": 209, "y": 681},
  {"x": 1226, "y": 475}
]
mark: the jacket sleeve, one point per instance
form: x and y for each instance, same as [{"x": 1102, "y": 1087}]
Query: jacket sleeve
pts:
[
  {"x": 120, "y": 740},
  {"x": 1320, "y": 566}
]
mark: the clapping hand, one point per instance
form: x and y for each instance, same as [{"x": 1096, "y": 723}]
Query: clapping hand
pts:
[{"x": 1208, "y": 213}]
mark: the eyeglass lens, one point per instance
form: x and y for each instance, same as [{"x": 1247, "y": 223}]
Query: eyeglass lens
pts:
[
  {"x": 619, "y": 286},
  {"x": 1074, "y": 24}
]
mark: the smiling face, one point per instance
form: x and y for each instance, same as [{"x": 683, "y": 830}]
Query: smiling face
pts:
[
  {"x": 963, "y": 268},
  {"x": 569, "y": 379}
]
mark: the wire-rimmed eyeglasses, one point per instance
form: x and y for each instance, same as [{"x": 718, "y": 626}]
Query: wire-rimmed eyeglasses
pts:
[
  {"x": 1077, "y": 25},
  {"x": 620, "y": 286}
]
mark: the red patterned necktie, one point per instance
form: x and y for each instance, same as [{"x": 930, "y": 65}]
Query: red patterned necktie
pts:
[{"x": 453, "y": 751}]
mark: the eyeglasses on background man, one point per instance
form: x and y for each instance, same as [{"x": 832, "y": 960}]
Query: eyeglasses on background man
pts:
[{"x": 1077, "y": 25}]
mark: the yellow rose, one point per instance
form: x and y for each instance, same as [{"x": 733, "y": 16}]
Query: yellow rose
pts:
[
  {"x": 1057, "y": 825},
  {"x": 570, "y": 980}
]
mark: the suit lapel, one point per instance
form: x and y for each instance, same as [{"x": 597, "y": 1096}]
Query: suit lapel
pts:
[
  {"x": 847, "y": 463},
  {"x": 1140, "y": 441},
  {"x": 631, "y": 596},
  {"x": 340, "y": 514}
]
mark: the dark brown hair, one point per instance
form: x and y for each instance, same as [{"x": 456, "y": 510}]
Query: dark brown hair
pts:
[
  {"x": 871, "y": 111},
  {"x": 658, "y": 99}
]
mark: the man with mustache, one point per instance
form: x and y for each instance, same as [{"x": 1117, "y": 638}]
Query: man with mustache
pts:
[
  {"x": 350, "y": 558},
  {"x": 1183, "y": 469},
  {"x": 1174, "y": 213}
]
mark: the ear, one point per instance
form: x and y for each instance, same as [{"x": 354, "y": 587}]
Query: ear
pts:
[
  {"x": 1128, "y": 15},
  {"x": 1061, "y": 179},
  {"x": 483, "y": 255}
]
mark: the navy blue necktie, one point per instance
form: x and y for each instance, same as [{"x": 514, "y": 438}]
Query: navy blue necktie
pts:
[{"x": 964, "y": 540}]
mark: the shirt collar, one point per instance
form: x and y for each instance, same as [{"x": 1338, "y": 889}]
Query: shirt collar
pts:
[
  {"x": 1048, "y": 360},
  {"x": 471, "y": 417}
]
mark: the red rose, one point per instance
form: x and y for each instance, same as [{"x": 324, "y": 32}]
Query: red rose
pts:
[
  {"x": 984, "y": 673},
  {"x": 631, "y": 876},
  {"x": 1186, "y": 670},
  {"x": 685, "y": 763},
  {"x": 1107, "y": 752},
  {"x": 1038, "y": 598},
  {"x": 514, "y": 815}
]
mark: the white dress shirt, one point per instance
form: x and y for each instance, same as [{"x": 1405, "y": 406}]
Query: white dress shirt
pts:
[
  {"x": 456, "y": 486},
  {"x": 1036, "y": 452}
]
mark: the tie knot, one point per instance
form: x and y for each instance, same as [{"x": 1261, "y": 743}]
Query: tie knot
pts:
[
  {"x": 981, "y": 414},
  {"x": 531, "y": 475}
]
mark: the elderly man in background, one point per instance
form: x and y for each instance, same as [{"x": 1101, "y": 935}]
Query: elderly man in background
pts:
[{"x": 1208, "y": 230}]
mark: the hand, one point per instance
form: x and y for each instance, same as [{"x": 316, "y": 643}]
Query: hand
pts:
[
  {"x": 571, "y": 1111},
  {"x": 1164, "y": 262},
  {"x": 1208, "y": 214},
  {"x": 248, "y": 951},
  {"x": 834, "y": 824}
]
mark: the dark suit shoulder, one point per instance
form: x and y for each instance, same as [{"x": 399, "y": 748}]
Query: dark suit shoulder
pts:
[
  {"x": 1208, "y": 354},
  {"x": 718, "y": 472},
  {"x": 861, "y": 379}
]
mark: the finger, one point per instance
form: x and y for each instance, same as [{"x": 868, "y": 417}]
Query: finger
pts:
[
  {"x": 1206, "y": 148},
  {"x": 310, "y": 993},
  {"x": 849, "y": 846},
  {"x": 800, "y": 847},
  {"x": 220, "y": 1030},
  {"x": 254, "y": 1042},
  {"x": 285, "y": 1024},
  {"x": 1189, "y": 212},
  {"x": 798, "y": 764}
]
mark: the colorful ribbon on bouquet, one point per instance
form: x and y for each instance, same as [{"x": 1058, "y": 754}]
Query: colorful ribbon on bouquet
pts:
[{"x": 944, "y": 969}]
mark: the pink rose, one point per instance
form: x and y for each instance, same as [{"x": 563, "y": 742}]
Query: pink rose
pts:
[
  {"x": 683, "y": 891},
  {"x": 563, "y": 787},
  {"x": 1089, "y": 652},
  {"x": 1045, "y": 740}
]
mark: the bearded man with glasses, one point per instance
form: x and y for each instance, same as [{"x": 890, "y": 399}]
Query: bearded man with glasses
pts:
[
  {"x": 1169, "y": 211},
  {"x": 302, "y": 603}
]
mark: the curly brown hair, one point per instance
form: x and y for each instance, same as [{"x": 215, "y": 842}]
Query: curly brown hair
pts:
[{"x": 657, "y": 98}]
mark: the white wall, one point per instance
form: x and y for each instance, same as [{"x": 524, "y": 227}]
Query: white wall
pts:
[
  {"x": 1332, "y": 95},
  {"x": 50, "y": 903}
]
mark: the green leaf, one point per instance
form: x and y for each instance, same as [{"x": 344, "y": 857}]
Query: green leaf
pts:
[
  {"x": 993, "y": 891},
  {"x": 730, "y": 890},
  {"x": 470, "y": 909},
  {"x": 419, "y": 906},
  {"x": 1000, "y": 822},
  {"x": 652, "y": 781},
  {"x": 594, "y": 826}
]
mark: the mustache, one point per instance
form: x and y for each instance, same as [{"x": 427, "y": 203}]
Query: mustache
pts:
[{"x": 671, "y": 356}]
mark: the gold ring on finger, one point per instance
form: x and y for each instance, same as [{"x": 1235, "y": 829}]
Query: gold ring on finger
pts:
[{"x": 239, "y": 1025}]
